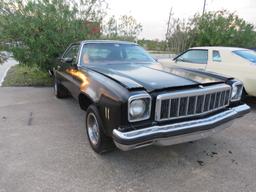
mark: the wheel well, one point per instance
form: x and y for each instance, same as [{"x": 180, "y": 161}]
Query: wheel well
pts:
[
  {"x": 244, "y": 91},
  {"x": 84, "y": 101}
]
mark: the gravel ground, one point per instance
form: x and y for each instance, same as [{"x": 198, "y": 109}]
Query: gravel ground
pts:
[{"x": 43, "y": 147}]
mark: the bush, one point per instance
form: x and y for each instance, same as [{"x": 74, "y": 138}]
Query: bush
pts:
[
  {"x": 219, "y": 28},
  {"x": 44, "y": 28},
  {"x": 222, "y": 28}
]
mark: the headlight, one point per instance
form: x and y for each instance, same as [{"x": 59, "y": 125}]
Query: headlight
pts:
[
  {"x": 139, "y": 107},
  {"x": 234, "y": 91},
  {"x": 237, "y": 90}
]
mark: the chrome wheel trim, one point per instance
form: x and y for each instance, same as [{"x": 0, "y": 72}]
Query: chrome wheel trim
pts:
[{"x": 93, "y": 128}]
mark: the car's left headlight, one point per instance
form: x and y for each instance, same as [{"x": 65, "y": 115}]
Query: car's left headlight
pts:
[
  {"x": 139, "y": 107},
  {"x": 237, "y": 90}
]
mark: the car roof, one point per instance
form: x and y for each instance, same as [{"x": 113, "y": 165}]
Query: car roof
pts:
[
  {"x": 108, "y": 41},
  {"x": 220, "y": 48}
]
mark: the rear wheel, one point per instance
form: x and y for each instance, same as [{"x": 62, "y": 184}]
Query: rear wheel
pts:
[
  {"x": 59, "y": 90},
  {"x": 99, "y": 142}
]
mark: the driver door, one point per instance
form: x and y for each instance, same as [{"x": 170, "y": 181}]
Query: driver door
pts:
[
  {"x": 68, "y": 67},
  {"x": 193, "y": 58}
]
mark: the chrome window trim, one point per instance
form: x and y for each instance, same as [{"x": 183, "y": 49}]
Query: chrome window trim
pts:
[
  {"x": 139, "y": 96},
  {"x": 80, "y": 54},
  {"x": 188, "y": 93}
]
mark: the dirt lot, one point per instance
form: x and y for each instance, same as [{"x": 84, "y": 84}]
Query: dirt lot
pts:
[{"x": 43, "y": 147}]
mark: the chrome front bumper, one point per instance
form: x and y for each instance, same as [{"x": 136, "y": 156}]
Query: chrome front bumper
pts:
[{"x": 178, "y": 132}]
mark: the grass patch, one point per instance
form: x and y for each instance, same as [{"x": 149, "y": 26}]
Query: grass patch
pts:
[{"x": 21, "y": 75}]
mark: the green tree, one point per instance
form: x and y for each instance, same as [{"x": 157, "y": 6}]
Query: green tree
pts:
[
  {"x": 177, "y": 34},
  {"x": 221, "y": 28},
  {"x": 152, "y": 45},
  {"x": 129, "y": 27},
  {"x": 111, "y": 28},
  {"x": 2, "y": 56},
  {"x": 124, "y": 28},
  {"x": 44, "y": 28}
]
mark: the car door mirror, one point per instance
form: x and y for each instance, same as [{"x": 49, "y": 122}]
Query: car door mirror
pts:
[
  {"x": 67, "y": 60},
  {"x": 179, "y": 59}
]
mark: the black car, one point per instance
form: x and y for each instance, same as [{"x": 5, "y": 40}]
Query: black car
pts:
[{"x": 132, "y": 101}]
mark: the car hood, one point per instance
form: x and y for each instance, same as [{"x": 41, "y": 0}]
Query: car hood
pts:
[{"x": 154, "y": 76}]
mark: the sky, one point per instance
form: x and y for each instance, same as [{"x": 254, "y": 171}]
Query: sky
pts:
[{"x": 153, "y": 14}]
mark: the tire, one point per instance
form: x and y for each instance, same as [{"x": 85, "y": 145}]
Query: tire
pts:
[
  {"x": 99, "y": 142},
  {"x": 244, "y": 95},
  {"x": 59, "y": 90}
]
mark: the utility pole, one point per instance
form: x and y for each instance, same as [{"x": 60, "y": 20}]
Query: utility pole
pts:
[{"x": 204, "y": 6}]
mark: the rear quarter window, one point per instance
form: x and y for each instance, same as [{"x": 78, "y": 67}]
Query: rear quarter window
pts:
[{"x": 216, "y": 56}]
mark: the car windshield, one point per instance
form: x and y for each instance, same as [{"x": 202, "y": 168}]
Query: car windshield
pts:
[
  {"x": 247, "y": 54},
  {"x": 93, "y": 53}
]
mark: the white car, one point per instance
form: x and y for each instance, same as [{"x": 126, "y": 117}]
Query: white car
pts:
[{"x": 232, "y": 61}]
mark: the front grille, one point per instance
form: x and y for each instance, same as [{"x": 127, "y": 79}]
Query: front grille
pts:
[{"x": 192, "y": 102}]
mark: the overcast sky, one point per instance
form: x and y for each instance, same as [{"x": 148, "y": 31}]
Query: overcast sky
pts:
[{"x": 153, "y": 14}]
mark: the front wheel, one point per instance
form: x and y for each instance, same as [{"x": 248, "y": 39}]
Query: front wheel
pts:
[{"x": 99, "y": 142}]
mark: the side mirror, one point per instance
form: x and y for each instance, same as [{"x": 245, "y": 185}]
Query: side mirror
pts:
[
  {"x": 67, "y": 60},
  {"x": 179, "y": 59}
]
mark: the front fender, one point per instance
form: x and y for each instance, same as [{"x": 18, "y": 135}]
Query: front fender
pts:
[{"x": 108, "y": 96}]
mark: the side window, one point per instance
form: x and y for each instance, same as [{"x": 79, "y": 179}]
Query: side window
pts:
[
  {"x": 216, "y": 56},
  {"x": 72, "y": 52},
  {"x": 194, "y": 56}
]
